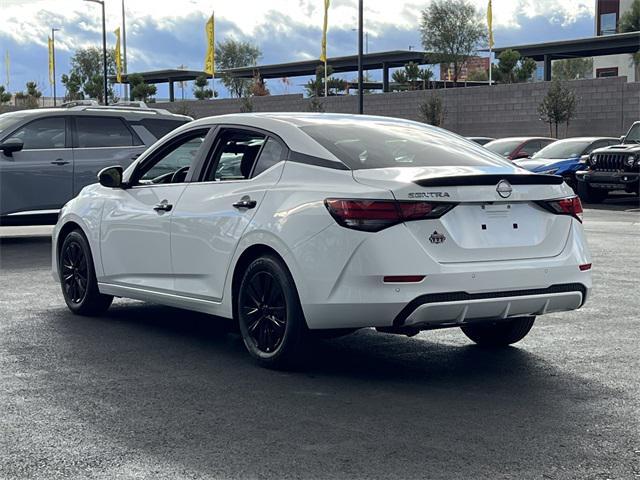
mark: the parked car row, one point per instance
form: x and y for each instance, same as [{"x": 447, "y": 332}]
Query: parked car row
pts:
[{"x": 591, "y": 166}]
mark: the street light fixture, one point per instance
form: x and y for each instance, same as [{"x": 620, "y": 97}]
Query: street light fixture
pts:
[
  {"x": 104, "y": 49},
  {"x": 53, "y": 51}
]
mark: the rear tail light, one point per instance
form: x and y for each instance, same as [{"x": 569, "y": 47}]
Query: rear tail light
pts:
[
  {"x": 376, "y": 215},
  {"x": 564, "y": 206},
  {"x": 584, "y": 267}
]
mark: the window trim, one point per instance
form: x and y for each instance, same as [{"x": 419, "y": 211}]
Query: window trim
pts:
[
  {"x": 162, "y": 150},
  {"x": 600, "y": 71},
  {"x": 209, "y": 163},
  {"x": 67, "y": 133},
  {"x": 136, "y": 141}
]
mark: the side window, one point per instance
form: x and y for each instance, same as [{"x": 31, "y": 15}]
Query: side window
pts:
[
  {"x": 43, "y": 134},
  {"x": 594, "y": 145},
  {"x": 160, "y": 127},
  {"x": 531, "y": 147},
  {"x": 271, "y": 154},
  {"x": 102, "y": 132},
  {"x": 235, "y": 155},
  {"x": 176, "y": 157}
]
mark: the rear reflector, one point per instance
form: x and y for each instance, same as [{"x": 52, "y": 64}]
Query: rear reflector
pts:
[
  {"x": 403, "y": 278},
  {"x": 376, "y": 215},
  {"x": 564, "y": 206},
  {"x": 586, "y": 266}
]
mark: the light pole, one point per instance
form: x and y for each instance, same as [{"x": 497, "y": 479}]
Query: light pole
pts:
[
  {"x": 53, "y": 50},
  {"x": 104, "y": 49},
  {"x": 124, "y": 49},
  {"x": 366, "y": 40},
  {"x": 360, "y": 77}
]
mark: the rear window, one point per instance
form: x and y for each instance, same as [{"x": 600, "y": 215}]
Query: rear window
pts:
[
  {"x": 103, "y": 132},
  {"x": 563, "y": 149},
  {"x": 160, "y": 127},
  {"x": 503, "y": 147},
  {"x": 369, "y": 145}
]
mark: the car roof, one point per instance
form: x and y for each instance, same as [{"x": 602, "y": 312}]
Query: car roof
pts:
[
  {"x": 288, "y": 125},
  {"x": 586, "y": 139},
  {"x": 130, "y": 113},
  {"x": 521, "y": 139}
]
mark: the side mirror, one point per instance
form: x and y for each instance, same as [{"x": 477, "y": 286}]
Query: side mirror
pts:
[
  {"x": 111, "y": 177},
  {"x": 11, "y": 145}
]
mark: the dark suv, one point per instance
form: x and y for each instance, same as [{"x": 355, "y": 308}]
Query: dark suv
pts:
[
  {"x": 612, "y": 168},
  {"x": 48, "y": 155}
]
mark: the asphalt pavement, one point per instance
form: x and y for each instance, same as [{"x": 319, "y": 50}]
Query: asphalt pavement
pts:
[{"x": 149, "y": 392}]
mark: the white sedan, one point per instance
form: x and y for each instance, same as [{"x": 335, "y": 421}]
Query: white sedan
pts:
[{"x": 297, "y": 222}]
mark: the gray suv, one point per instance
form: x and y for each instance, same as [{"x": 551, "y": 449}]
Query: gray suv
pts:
[{"x": 48, "y": 155}]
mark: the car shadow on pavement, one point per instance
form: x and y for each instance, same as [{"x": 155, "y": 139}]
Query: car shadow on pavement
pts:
[{"x": 176, "y": 386}]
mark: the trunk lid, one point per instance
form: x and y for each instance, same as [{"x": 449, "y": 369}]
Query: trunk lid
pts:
[{"x": 485, "y": 225}]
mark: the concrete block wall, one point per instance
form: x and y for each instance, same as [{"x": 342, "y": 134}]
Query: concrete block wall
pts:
[{"x": 606, "y": 106}]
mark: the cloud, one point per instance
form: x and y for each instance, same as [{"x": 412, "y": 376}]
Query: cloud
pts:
[{"x": 168, "y": 34}]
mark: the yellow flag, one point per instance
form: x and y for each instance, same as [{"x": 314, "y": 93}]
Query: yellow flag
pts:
[
  {"x": 490, "y": 24},
  {"x": 210, "y": 59},
  {"x": 51, "y": 79},
  {"x": 118, "y": 57},
  {"x": 323, "y": 54}
]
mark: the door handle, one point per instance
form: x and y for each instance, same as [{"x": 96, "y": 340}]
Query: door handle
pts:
[
  {"x": 163, "y": 207},
  {"x": 60, "y": 161},
  {"x": 245, "y": 202}
]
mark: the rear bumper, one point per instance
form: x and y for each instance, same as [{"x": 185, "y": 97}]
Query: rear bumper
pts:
[
  {"x": 608, "y": 180},
  {"x": 454, "y": 309}
]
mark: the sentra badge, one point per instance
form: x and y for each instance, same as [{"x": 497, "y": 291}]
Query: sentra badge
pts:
[{"x": 429, "y": 195}]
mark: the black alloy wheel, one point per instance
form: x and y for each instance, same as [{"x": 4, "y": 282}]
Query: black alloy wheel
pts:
[
  {"x": 269, "y": 314},
  {"x": 265, "y": 310},
  {"x": 74, "y": 272},
  {"x": 78, "y": 277}
]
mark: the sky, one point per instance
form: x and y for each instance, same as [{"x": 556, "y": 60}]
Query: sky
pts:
[{"x": 167, "y": 34}]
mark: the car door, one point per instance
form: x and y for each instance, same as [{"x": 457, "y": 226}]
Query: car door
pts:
[
  {"x": 38, "y": 179},
  {"x": 99, "y": 142},
  {"x": 135, "y": 226},
  {"x": 213, "y": 213}
]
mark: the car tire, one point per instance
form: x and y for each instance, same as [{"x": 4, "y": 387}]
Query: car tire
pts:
[
  {"x": 78, "y": 277},
  {"x": 589, "y": 194},
  {"x": 270, "y": 317},
  {"x": 499, "y": 333}
]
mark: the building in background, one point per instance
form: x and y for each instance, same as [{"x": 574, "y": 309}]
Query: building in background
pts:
[
  {"x": 471, "y": 65},
  {"x": 607, "y": 19}
]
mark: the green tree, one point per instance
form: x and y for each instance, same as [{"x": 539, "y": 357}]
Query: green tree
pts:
[
  {"x": 432, "y": 111},
  {"x": 630, "y": 21},
  {"x": 4, "y": 95},
  {"x": 86, "y": 65},
  {"x": 201, "y": 90},
  {"x": 258, "y": 86},
  {"x": 513, "y": 68},
  {"x": 139, "y": 89},
  {"x": 478, "y": 75},
  {"x": 73, "y": 84},
  {"x": 31, "y": 97},
  {"x": 558, "y": 106},
  {"x": 452, "y": 30},
  {"x": 316, "y": 105},
  {"x": 233, "y": 54},
  {"x": 247, "y": 105},
  {"x": 315, "y": 86},
  {"x": 572, "y": 68}
]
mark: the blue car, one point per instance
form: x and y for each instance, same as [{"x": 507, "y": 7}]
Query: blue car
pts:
[{"x": 565, "y": 157}]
